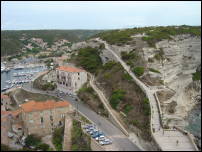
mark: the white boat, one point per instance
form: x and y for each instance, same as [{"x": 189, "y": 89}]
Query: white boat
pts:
[{"x": 18, "y": 67}]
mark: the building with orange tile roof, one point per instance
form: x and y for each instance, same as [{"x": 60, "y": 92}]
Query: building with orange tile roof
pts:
[
  {"x": 70, "y": 79},
  {"x": 42, "y": 117}
]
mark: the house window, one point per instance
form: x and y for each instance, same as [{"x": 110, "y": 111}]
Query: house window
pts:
[
  {"x": 75, "y": 84},
  {"x": 51, "y": 118},
  {"x": 60, "y": 123},
  {"x": 41, "y": 120},
  {"x": 78, "y": 73},
  {"x": 78, "y": 78}
]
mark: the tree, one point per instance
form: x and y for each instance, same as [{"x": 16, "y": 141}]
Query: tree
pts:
[{"x": 32, "y": 140}]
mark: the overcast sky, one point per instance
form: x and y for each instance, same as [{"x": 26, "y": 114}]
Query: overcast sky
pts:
[{"x": 97, "y": 15}]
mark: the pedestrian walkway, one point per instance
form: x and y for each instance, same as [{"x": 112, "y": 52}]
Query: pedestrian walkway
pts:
[{"x": 167, "y": 140}]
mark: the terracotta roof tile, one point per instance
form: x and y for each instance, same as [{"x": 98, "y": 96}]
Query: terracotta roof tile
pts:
[
  {"x": 69, "y": 69},
  {"x": 14, "y": 113},
  {"x": 37, "y": 106},
  {"x": 3, "y": 96}
]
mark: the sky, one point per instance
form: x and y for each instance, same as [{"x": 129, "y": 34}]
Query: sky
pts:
[{"x": 24, "y": 15}]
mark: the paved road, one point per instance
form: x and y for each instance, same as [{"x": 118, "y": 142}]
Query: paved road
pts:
[{"x": 120, "y": 141}]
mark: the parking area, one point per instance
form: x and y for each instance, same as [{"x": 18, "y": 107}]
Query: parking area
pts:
[{"x": 97, "y": 134}]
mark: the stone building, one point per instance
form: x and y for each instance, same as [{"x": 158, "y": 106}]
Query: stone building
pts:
[
  {"x": 5, "y": 102},
  {"x": 70, "y": 79},
  {"x": 42, "y": 117}
]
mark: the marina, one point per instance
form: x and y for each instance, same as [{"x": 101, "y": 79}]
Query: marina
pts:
[{"x": 18, "y": 75}]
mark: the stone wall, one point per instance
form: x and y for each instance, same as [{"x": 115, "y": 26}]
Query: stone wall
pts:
[{"x": 33, "y": 123}]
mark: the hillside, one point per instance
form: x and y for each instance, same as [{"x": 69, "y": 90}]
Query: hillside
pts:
[
  {"x": 160, "y": 57},
  {"x": 11, "y": 44}
]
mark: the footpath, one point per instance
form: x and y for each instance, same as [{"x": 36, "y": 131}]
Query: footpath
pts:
[{"x": 167, "y": 140}]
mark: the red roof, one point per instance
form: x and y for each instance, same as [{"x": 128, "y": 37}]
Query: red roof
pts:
[
  {"x": 13, "y": 113},
  {"x": 3, "y": 96},
  {"x": 37, "y": 106},
  {"x": 69, "y": 69}
]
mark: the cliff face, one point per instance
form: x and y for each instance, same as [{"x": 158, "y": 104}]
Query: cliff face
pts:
[{"x": 180, "y": 58}]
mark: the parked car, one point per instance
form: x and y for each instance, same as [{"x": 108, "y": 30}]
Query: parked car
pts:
[
  {"x": 100, "y": 138},
  {"x": 107, "y": 142}
]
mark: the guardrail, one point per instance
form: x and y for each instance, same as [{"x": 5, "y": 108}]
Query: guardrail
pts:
[
  {"x": 190, "y": 136},
  {"x": 159, "y": 109}
]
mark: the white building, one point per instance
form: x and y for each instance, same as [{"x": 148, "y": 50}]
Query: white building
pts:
[{"x": 70, "y": 79}]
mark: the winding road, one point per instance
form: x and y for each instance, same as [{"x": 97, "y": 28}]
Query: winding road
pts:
[{"x": 120, "y": 141}]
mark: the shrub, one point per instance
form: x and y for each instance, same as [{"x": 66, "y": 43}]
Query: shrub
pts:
[
  {"x": 196, "y": 76},
  {"x": 5, "y": 148},
  {"x": 150, "y": 60},
  {"x": 32, "y": 140},
  {"x": 128, "y": 56},
  {"x": 57, "y": 138},
  {"x": 43, "y": 147},
  {"x": 134, "y": 122},
  {"x": 80, "y": 142},
  {"x": 89, "y": 59},
  {"x": 126, "y": 76},
  {"x": 146, "y": 107},
  {"x": 109, "y": 65},
  {"x": 153, "y": 70},
  {"x": 138, "y": 71},
  {"x": 127, "y": 108},
  {"x": 116, "y": 97}
]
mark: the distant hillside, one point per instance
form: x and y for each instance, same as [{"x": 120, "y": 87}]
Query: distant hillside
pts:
[
  {"x": 11, "y": 44},
  {"x": 152, "y": 34}
]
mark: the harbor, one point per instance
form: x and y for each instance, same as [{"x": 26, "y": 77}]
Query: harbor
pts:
[{"x": 19, "y": 74}]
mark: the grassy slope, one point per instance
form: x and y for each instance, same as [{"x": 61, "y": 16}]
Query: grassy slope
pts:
[{"x": 10, "y": 39}]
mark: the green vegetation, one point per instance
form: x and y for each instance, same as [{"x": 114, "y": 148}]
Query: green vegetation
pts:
[
  {"x": 89, "y": 96},
  {"x": 52, "y": 54},
  {"x": 159, "y": 55},
  {"x": 36, "y": 142},
  {"x": 154, "y": 34},
  {"x": 116, "y": 97},
  {"x": 138, "y": 71},
  {"x": 146, "y": 106},
  {"x": 49, "y": 86},
  {"x": 135, "y": 122},
  {"x": 109, "y": 65},
  {"x": 160, "y": 33},
  {"x": 5, "y": 148},
  {"x": 11, "y": 43},
  {"x": 154, "y": 70},
  {"x": 80, "y": 141},
  {"x": 89, "y": 59},
  {"x": 41, "y": 84},
  {"x": 127, "y": 77},
  {"x": 196, "y": 76},
  {"x": 129, "y": 56},
  {"x": 127, "y": 108},
  {"x": 132, "y": 58},
  {"x": 57, "y": 138},
  {"x": 86, "y": 89},
  {"x": 32, "y": 140},
  {"x": 150, "y": 60}
]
